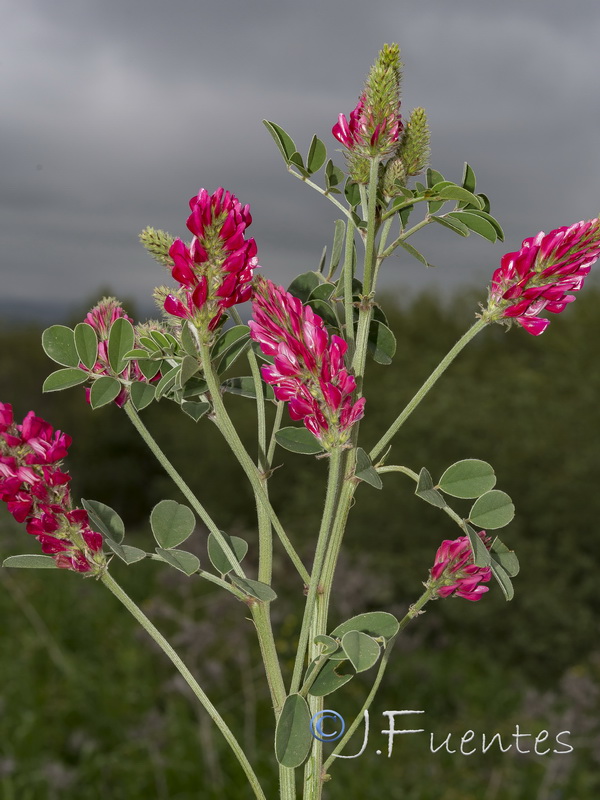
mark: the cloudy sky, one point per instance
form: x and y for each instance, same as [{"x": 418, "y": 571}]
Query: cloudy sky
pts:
[{"x": 115, "y": 112}]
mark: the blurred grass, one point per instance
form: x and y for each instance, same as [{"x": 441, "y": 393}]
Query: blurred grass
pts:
[{"x": 90, "y": 709}]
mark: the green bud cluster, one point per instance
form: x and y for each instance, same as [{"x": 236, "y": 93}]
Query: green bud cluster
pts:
[
  {"x": 358, "y": 167},
  {"x": 414, "y": 146},
  {"x": 394, "y": 175},
  {"x": 160, "y": 294},
  {"x": 146, "y": 328},
  {"x": 158, "y": 244}
]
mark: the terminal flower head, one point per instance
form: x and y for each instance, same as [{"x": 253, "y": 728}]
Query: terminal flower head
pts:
[
  {"x": 542, "y": 274},
  {"x": 215, "y": 270},
  {"x": 375, "y": 124},
  {"x": 308, "y": 370},
  {"x": 36, "y": 491},
  {"x": 454, "y": 572}
]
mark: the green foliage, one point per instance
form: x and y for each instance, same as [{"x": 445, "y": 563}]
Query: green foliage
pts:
[
  {"x": 298, "y": 440},
  {"x": 58, "y": 342},
  {"x": 361, "y": 650},
  {"x": 218, "y": 558},
  {"x": 379, "y": 624},
  {"x": 365, "y": 471},
  {"x": 293, "y": 738},
  {"x": 494, "y": 509},
  {"x": 468, "y": 478},
  {"x": 172, "y": 523},
  {"x": 185, "y": 562}
]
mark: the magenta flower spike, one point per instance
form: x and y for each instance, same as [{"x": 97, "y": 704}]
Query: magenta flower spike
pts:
[
  {"x": 215, "y": 271},
  {"x": 308, "y": 371},
  {"x": 454, "y": 573},
  {"x": 542, "y": 274},
  {"x": 36, "y": 492}
]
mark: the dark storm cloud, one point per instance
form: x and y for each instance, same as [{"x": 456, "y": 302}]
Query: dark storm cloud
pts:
[{"x": 114, "y": 113}]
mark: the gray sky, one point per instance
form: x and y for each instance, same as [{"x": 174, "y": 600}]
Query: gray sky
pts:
[{"x": 115, "y": 112}]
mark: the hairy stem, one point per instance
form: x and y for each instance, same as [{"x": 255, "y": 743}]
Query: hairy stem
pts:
[
  {"x": 431, "y": 380},
  {"x": 160, "y": 640}
]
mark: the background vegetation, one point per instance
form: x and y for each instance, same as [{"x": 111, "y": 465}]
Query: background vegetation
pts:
[{"x": 90, "y": 710}]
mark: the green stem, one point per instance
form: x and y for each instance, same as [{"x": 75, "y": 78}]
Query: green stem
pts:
[
  {"x": 314, "y": 622},
  {"x": 348, "y": 293},
  {"x": 261, "y": 614},
  {"x": 437, "y": 373},
  {"x": 208, "y": 576},
  {"x": 265, "y": 535},
  {"x": 404, "y": 470},
  {"x": 303, "y": 691},
  {"x": 385, "y": 231},
  {"x": 160, "y": 640},
  {"x": 262, "y": 621},
  {"x": 410, "y": 202},
  {"x": 460, "y": 521},
  {"x": 365, "y": 312},
  {"x": 318, "y": 189},
  {"x": 337, "y": 533},
  {"x": 182, "y": 486},
  {"x": 230, "y": 434},
  {"x": 413, "y": 611},
  {"x": 275, "y": 428},
  {"x": 366, "y": 307},
  {"x": 371, "y": 225},
  {"x": 314, "y": 582},
  {"x": 403, "y": 236},
  {"x": 287, "y": 783}
]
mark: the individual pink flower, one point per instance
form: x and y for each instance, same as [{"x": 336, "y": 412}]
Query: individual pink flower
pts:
[
  {"x": 36, "y": 492},
  {"x": 454, "y": 573},
  {"x": 308, "y": 370},
  {"x": 541, "y": 275},
  {"x": 215, "y": 270},
  {"x": 101, "y": 319},
  {"x": 366, "y": 133}
]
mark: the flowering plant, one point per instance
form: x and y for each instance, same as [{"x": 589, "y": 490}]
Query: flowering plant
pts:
[{"x": 306, "y": 348}]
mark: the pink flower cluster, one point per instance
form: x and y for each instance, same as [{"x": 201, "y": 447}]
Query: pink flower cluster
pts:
[
  {"x": 36, "y": 492},
  {"x": 101, "y": 318},
  {"x": 215, "y": 271},
  {"x": 542, "y": 273},
  {"x": 308, "y": 370},
  {"x": 366, "y": 133},
  {"x": 454, "y": 572}
]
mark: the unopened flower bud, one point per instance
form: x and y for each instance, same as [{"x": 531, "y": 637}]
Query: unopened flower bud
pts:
[
  {"x": 414, "y": 145},
  {"x": 394, "y": 176},
  {"x": 158, "y": 243}
]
